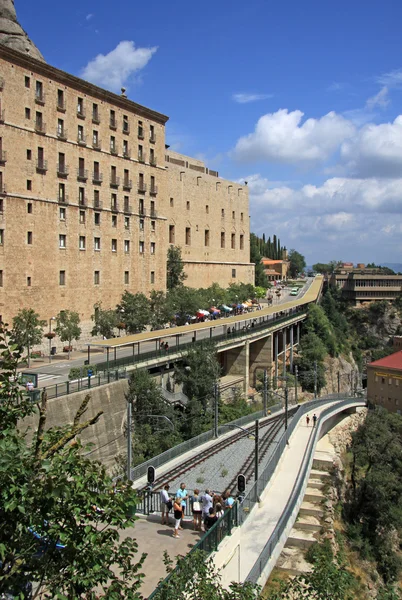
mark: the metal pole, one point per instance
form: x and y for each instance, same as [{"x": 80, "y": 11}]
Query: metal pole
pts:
[
  {"x": 265, "y": 394},
  {"x": 89, "y": 354},
  {"x": 216, "y": 409},
  {"x": 256, "y": 452},
  {"x": 339, "y": 382},
  {"x": 276, "y": 358},
  {"x": 129, "y": 449},
  {"x": 315, "y": 379},
  {"x": 284, "y": 351},
  {"x": 286, "y": 408},
  {"x": 296, "y": 374}
]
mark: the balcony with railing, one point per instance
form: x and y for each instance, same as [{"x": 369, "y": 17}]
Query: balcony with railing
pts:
[
  {"x": 126, "y": 128},
  {"x": 126, "y": 153},
  {"x": 95, "y": 118},
  {"x": 82, "y": 201},
  {"x": 113, "y": 123},
  {"x": 81, "y": 114},
  {"x": 152, "y": 138},
  {"x": 63, "y": 199},
  {"x": 82, "y": 174},
  {"x": 153, "y": 214},
  {"x": 142, "y": 187},
  {"x": 140, "y": 133},
  {"x": 81, "y": 139},
  {"x": 114, "y": 181},
  {"x": 40, "y": 98},
  {"x": 61, "y": 105},
  {"x": 3, "y": 157},
  {"x": 2, "y": 115},
  {"x": 152, "y": 160},
  {"x": 3, "y": 191},
  {"x": 61, "y": 134},
  {"x": 62, "y": 170},
  {"x": 97, "y": 144},
  {"x": 141, "y": 157},
  {"x": 153, "y": 190},
  {"x": 97, "y": 178},
  {"x": 41, "y": 165},
  {"x": 40, "y": 127},
  {"x": 114, "y": 150},
  {"x": 127, "y": 208},
  {"x": 127, "y": 184},
  {"x": 141, "y": 211},
  {"x": 114, "y": 207},
  {"x": 97, "y": 203}
]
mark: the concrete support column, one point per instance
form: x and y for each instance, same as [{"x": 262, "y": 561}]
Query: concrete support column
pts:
[
  {"x": 284, "y": 351},
  {"x": 237, "y": 362},
  {"x": 291, "y": 350},
  {"x": 276, "y": 334},
  {"x": 260, "y": 357},
  {"x": 298, "y": 333},
  {"x": 247, "y": 368}
]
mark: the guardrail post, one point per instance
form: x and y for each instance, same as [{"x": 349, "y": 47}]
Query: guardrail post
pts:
[{"x": 68, "y": 387}]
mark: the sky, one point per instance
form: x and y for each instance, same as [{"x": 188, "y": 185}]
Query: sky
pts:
[{"x": 303, "y": 100}]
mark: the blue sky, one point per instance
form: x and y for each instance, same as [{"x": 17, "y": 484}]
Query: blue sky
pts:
[{"x": 301, "y": 99}]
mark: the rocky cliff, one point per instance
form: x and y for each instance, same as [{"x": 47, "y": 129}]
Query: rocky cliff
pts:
[{"x": 11, "y": 33}]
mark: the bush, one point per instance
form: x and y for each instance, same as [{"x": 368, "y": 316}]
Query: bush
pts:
[{"x": 80, "y": 372}]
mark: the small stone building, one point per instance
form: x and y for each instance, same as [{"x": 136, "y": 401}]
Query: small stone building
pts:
[{"x": 384, "y": 382}]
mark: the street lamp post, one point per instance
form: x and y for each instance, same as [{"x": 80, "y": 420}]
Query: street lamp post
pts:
[{"x": 50, "y": 337}]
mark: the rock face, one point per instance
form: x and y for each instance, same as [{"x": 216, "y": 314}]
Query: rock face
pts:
[{"x": 11, "y": 33}]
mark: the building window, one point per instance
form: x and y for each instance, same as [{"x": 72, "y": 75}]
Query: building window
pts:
[
  {"x": 29, "y": 154},
  {"x": 222, "y": 212},
  {"x": 153, "y": 226},
  {"x": 96, "y": 277},
  {"x": 126, "y": 277},
  {"x": 39, "y": 90},
  {"x": 233, "y": 272},
  {"x": 1, "y": 278},
  {"x": 171, "y": 234},
  {"x": 141, "y": 223},
  {"x": 188, "y": 236},
  {"x": 222, "y": 239},
  {"x": 127, "y": 246},
  {"x": 112, "y": 119},
  {"x": 82, "y": 245},
  {"x": 140, "y": 131},
  {"x": 141, "y": 247},
  {"x": 171, "y": 202},
  {"x": 29, "y": 185},
  {"x": 233, "y": 214},
  {"x": 62, "y": 214},
  {"x": 233, "y": 241},
  {"x": 81, "y": 196},
  {"x": 188, "y": 205},
  {"x": 127, "y": 222},
  {"x": 241, "y": 241},
  {"x": 152, "y": 276},
  {"x": 27, "y": 81},
  {"x": 27, "y": 113},
  {"x": 60, "y": 99},
  {"x": 206, "y": 237},
  {"x": 241, "y": 216},
  {"x": 1, "y": 237},
  {"x": 114, "y": 220},
  {"x": 62, "y": 192},
  {"x": 207, "y": 209},
  {"x": 82, "y": 217},
  {"x": 114, "y": 245},
  {"x": 126, "y": 127},
  {"x": 62, "y": 278},
  {"x": 30, "y": 208},
  {"x": 95, "y": 113},
  {"x": 80, "y": 134},
  {"x": 62, "y": 240},
  {"x": 97, "y": 243},
  {"x": 97, "y": 218},
  {"x": 152, "y": 133},
  {"x": 29, "y": 237},
  {"x": 80, "y": 107},
  {"x": 153, "y": 247}
]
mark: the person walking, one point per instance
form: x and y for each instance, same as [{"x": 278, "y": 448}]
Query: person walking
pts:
[
  {"x": 178, "y": 513},
  {"x": 166, "y": 504},
  {"x": 196, "y": 509},
  {"x": 307, "y": 420},
  {"x": 183, "y": 495},
  {"x": 314, "y": 419}
]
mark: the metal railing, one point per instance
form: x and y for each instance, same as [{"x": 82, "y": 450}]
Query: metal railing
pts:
[
  {"x": 84, "y": 383},
  {"x": 259, "y": 566}
]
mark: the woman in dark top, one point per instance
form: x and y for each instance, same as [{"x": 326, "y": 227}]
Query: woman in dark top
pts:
[
  {"x": 210, "y": 519},
  {"x": 178, "y": 514}
]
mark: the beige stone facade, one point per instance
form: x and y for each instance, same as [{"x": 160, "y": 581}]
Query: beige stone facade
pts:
[
  {"x": 363, "y": 285},
  {"x": 384, "y": 382},
  {"x": 208, "y": 217},
  {"x": 85, "y": 196}
]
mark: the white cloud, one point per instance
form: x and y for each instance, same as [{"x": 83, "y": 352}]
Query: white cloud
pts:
[
  {"x": 113, "y": 70},
  {"x": 335, "y": 86},
  {"x": 245, "y": 98},
  {"x": 89, "y": 17},
  {"x": 381, "y": 99},
  {"x": 375, "y": 150},
  {"x": 280, "y": 137},
  {"x": 393, "y": 79}
]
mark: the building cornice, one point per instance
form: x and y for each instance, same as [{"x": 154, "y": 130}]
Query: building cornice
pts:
[{"x": 85, "y": 87}]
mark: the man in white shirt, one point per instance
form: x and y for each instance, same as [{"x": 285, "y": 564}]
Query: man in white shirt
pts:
[
  {"x": 165, "y": 500},
  {"x": 206, "y": 503}
]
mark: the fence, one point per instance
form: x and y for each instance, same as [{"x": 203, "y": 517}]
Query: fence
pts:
[
  {"x": 85, "y": 383},
  {"x": 208, "y": 543},
  {"x": 263, "y": 559}
]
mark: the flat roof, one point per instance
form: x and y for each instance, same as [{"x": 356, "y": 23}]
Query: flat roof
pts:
[{"x": 146, "y": 336}]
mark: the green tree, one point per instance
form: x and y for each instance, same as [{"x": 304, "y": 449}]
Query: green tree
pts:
[
  {"x": 312, "y": 351},
  {"x": 68, "y": 327},
  {"x": 48, "y": 487},
  {"x": 183, "y": 303},
  {"x": 198, "y": 372},
  {"x": 105, "y": 321},
  {"x": 175, "y": 275},
  {"x": 134, "y": 311},
  {"x": 161, "y": 312},
  {"x": 27, "y": 330},
  {"x": 213, "y": 295},
  {"x": 297, "y": 263},
  {"x": 260, "y": 277}
]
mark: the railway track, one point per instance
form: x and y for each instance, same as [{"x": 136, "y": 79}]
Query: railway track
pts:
[{"x": 274, "y": 424}]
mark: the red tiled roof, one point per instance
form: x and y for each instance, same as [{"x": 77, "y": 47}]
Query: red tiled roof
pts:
[
  {"x": 268, "y": 261},
  {"x": 393, "y": 361}
]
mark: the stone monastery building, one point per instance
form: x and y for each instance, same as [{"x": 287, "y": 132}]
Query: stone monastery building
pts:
[{"x": 91, "y": 197}]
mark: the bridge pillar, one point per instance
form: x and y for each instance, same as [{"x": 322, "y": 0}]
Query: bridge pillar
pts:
[
  {"x": 284, "y": 351},
  {"x": 298, "y": 333},
  {"x": 260, "y": 356},
  {"x": 291, "y": 350},
  {"x": 237, "y": 362}
]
